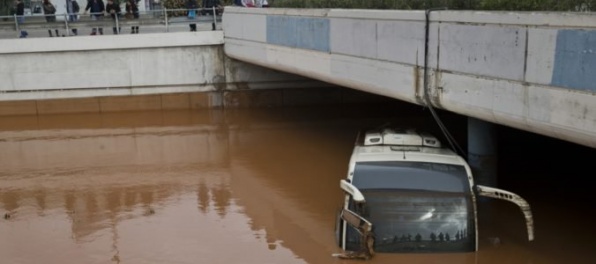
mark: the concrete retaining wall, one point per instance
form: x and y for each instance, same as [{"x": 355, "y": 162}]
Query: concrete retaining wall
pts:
[
  {"x": 140, "y": 72},
  {"x": 89, "y": 66}
]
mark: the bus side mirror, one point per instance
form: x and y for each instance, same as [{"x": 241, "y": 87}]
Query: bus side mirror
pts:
[
  {"x": 514, "y": 198},
  {"x": 352, "y": 190}
]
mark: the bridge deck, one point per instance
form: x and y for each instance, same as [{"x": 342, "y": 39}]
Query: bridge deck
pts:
[{"x": 529, "y": 70}]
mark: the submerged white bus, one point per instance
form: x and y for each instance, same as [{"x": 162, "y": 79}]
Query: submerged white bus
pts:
[{"x": 406, "y": 193}]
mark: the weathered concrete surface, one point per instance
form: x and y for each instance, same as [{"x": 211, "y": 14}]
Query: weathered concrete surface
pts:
[
  {"x": 123, "y": 65},
  {"x": 532, "y": 71}
]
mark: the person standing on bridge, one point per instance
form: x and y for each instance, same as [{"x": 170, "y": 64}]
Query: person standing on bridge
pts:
[
  {"x": 114, "y": 11},
  {"x": 133, "y": 9},
  {"x": 72, "y": 8},
  {"x": 96, "y": 8},
  {"x": 211, "y": 7},
  {"x": 192, "y": 5},
  {"x": 20, "y": 14},
  {"x": 49, "y": 10}
]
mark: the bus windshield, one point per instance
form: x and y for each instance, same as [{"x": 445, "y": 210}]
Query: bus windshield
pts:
[
  {"x": 417, "y": 221},
  {"x": 415, "y": 207}
]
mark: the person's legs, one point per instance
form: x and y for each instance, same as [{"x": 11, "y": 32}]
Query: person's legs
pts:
[
  {"x": 72, "y": 18},
  {"x": 20, "y": 20},
  {"x": 136, "y": 28},
  {"x": 94, "y": 30},
  {"x": 74, "y": 30},
  {"x": 100, "y": 29},
  {"x": 50, "y": 32}
]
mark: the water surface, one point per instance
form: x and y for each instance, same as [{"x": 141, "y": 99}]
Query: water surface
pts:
[{"x": 244, "y": 186}]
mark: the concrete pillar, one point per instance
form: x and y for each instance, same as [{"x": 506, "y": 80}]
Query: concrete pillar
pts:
[
  {"x": 482, "y": 151},
  {"x": 482, "y": 157}
]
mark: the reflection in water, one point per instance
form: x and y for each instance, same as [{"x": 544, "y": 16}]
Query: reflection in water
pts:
[
  {"x": 203, "y": 197},
  {"x": 10, "y": 200},
  {"x": 249, "y": 186},
  {"x": 221, "y": 199}
]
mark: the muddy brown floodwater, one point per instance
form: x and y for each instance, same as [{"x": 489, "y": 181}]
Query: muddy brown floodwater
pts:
[{"x": 250, "y": 186}]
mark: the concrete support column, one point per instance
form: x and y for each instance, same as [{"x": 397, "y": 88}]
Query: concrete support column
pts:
[{"x": 482, "y": 151}]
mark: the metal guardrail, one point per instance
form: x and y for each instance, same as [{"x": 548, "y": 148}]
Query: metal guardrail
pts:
[{"x": 162, "y": 18}]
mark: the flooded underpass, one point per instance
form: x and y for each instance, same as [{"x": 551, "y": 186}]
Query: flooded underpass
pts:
[{"x": 251, "y": 186}]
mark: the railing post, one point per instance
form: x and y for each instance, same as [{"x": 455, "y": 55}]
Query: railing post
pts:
[
  {"x": 16, "y": 25},
  {"x": 117, "y": 23},
  {"x": 165, "y": 11},
  {"x": 66, "y": 23},
  {"x": 214, "y": 18}
]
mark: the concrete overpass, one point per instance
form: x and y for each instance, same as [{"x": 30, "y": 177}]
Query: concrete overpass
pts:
[{"x": 531, "y": 71}]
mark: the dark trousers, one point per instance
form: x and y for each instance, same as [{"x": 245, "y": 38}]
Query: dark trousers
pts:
[
  {"x": 95, "y": 30},
  {"x": 57, "y": 33}
]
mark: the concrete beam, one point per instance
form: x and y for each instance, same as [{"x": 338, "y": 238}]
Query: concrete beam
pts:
[{"x": 532, "y": 71}]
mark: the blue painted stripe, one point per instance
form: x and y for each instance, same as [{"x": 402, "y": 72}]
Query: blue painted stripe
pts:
[
  {"x": 298, "y": 32},
  {"x": 575, "y": 60}
]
